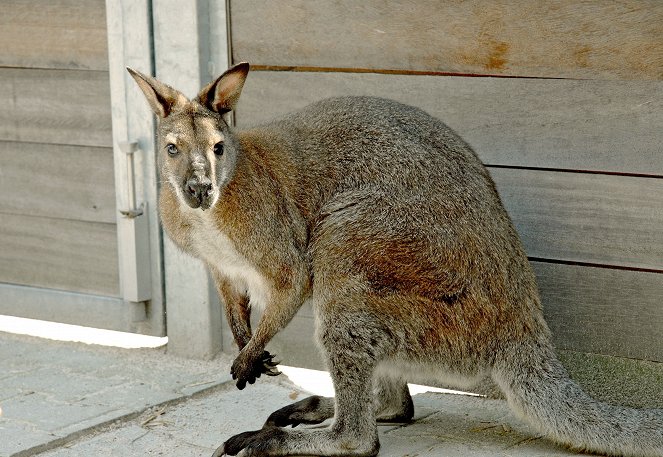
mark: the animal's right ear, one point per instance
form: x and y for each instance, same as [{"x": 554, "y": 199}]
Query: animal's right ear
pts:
[
  {"x": 222, "y": 94},
  {"x": 161, "y": 97}
]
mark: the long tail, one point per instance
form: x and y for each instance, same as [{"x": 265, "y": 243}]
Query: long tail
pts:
[{"x": 539, "y": 390}]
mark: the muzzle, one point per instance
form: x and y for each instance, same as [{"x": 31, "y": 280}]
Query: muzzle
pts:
[{"x": 198, "y": 192}]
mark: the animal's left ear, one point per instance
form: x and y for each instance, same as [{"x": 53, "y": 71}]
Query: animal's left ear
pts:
[
  {"x": 162, "y": 98},
  {"x": 222, "y": 95}
]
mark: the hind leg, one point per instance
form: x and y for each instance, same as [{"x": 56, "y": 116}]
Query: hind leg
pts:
[
  {"x": 391, "y": 398},
  {"x": 352, "y": 348}
]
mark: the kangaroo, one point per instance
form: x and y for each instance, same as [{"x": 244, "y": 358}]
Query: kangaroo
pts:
[{"x": 388, "y": 224}]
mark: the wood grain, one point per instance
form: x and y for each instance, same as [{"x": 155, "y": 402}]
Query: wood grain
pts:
[
  {"x": 67, "y": 182},
  {"x": 603, "y": 311},
  {"x": 59, "y": 254},
  {"x": 593, "y": 39},
  {"x": 67, "y": 34},
  {"x": 579, "y": 125},
  {"x": 55, "y": 106},
  {"x": 577, "y": 217}
]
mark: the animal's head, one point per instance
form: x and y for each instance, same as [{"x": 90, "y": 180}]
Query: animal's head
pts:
[{"x": 196, "y": 150}]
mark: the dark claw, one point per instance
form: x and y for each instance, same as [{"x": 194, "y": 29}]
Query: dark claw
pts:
[{"x": 265, "y": 364}]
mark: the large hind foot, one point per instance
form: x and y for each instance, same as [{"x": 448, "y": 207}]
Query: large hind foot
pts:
[
  {"x": 391, "y": 399},
  {"x": 311, "y": 410}
]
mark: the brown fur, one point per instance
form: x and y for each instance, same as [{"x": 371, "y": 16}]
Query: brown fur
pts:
[{"x": 388, "y": 224}]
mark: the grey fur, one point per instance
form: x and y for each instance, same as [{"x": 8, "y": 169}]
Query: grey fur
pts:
[{"x": 385, "y": 221}]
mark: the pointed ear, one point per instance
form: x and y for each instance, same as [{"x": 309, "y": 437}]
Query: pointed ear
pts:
[
  {"x": 161, "y": 97},
  {"x": 222, "y": 95}
]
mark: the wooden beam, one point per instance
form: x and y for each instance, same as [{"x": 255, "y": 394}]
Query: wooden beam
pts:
[
  {"x": 565, "y": 39},
  {"x": 65, "y": 34},
  {"x": 605, "y": 126},
  {"x": 67, "y": 182},
  {"x": 59, "y": 254},
  {"x": 55, "y": 106},
  {"x": 72, "y": 308},
  {"x": 586, "y": 218},
  {"x": 602, "y": 310}
]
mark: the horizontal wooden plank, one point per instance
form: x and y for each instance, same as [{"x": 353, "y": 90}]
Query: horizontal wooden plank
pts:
[
  {"x": 616, "y": 380},
  {"x": 67, "y": 182},
  {"x": 581, "y": 125},
  {"x": 59, "y": 254},
  {"x": 74, "y": 308},
  {"x": 54, "y": 34},
  {"x": 603, "y": 311},
  {"x": 590, "y": 218},
  {"x": 55, "y": 106},
  {"x": 594, "y": 39}
]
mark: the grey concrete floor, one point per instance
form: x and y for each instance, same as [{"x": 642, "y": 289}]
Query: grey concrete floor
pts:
[{"x": 67, "y": 399}]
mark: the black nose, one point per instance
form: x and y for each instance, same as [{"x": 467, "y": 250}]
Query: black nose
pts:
[{"x": 200, "y": 189}]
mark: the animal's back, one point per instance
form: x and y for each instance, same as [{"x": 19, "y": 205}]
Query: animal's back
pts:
[{"x": 397, "y": 200}]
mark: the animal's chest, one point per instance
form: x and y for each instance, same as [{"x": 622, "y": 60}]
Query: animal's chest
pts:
[{"x": 217, "y": 250}]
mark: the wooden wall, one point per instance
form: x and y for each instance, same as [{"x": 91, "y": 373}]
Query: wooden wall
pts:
[
  {"x": 57, "y": 200},
  {"x": 563, "y": 101}
]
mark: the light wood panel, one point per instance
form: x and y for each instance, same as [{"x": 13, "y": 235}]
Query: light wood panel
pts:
[
  {"x": 68, "y": 182},
  {"x": 53, "y": 34},
  {"x": 603, "y": 311},
  {"x": 577, "y": 217},
  {"x": 593, "y": 39},
  {"x": 59, "y": 254},
  {"x": 74, "y": 308},
  {"x": 55, "y": 106},
  {"x": 581, "y": 125}
]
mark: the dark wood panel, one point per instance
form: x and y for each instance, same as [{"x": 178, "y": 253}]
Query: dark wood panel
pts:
[
  {"x": 565, "y": 39},
  {"x": 54, "y": 34},
  {"x": 578, "y": 217},
  {"x": 603, "y": 311},
  {"x": 59, "y": 254},
  {"x": 68, "y": 182},
  {"x": 581, "y": 125},
  {"x": 55, "y": 106}
]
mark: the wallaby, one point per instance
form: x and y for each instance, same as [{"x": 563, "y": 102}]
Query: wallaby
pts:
[{"x": 383, "y": 219}]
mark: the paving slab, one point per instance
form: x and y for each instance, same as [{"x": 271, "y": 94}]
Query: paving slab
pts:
[
  {"x": 53, "y": 392},
  {"x": 67, "y": 400}
]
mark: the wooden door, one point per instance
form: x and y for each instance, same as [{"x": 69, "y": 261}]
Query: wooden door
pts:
[{"x": 59, "y": 258}]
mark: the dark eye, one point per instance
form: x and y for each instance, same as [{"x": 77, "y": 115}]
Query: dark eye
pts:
[
  {"x": 172, "y": 149},
  {"x": 218, "y": 148}
]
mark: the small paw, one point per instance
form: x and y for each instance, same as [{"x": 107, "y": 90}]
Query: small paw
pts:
[{"x": 248, "y": 370}]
